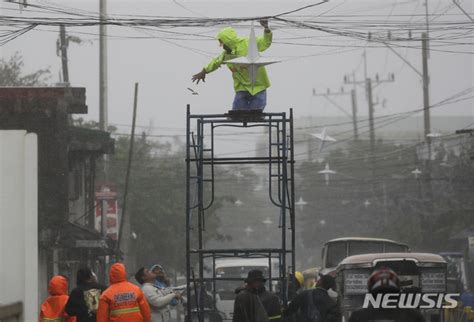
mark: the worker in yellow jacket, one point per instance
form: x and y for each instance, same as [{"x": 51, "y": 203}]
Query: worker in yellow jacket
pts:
[{"x": 248, "y": 95}]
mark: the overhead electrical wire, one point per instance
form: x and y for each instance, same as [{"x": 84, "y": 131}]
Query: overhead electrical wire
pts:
[{"x": 357, "y": 29}]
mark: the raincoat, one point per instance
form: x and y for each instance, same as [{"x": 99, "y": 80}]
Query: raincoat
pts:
[
  {"x": 122, "y": 301},
  {"x": 239, "y": 47},
  {"x": 52, "y": 309}
]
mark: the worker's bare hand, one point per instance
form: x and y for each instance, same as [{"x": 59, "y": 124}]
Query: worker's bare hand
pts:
[
  {"x": 264, "y": 23},
  {"x": 201, "y": 76}
]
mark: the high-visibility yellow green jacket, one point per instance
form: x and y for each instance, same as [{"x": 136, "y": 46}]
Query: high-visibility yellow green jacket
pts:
[{"x": 239, "y": 47}]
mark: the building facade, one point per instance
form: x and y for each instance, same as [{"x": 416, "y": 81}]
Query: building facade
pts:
[{"x": 68, "y": 158}]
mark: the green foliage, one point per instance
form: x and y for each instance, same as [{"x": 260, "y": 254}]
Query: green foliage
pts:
[
  {"x": 156, "y": 200},
  {"x": 11, "y": 73}
]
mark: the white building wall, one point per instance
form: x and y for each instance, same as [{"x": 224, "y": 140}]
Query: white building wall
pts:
[{"x": 19, "y": 220}]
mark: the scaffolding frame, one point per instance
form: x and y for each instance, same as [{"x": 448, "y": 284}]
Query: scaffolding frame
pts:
[{"x": 281, "y": 192}]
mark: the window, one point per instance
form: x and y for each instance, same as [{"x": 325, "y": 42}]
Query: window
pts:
[
  {"x": 335, "y": 253},
  {"x": 395, "y": 248},
  {"x": 363, "y": 247}
]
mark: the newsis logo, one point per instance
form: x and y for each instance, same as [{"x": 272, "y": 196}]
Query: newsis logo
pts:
[{"x": 411, "y": 301}]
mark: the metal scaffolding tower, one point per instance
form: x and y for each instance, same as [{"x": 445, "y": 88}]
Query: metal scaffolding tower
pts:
[{"x": 201, "y": 162}]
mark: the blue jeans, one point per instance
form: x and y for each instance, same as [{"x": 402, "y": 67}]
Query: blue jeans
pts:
[{"x": 245, "y": 101}]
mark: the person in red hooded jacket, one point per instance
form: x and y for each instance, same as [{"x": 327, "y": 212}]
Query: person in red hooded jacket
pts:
[
  {"x": 122, "y": 301},
  {"x": 53, "y": 308}
]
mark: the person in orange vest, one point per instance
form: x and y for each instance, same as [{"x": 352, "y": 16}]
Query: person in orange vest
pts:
[
  {"x": 122, "y": 301},
  {"x": 53, "y": 308}
]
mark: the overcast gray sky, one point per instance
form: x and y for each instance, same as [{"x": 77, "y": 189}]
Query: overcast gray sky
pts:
[{"x": 164, "y": 67}]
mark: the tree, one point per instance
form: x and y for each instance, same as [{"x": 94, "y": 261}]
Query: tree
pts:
[
  {"x": 156, "y": 200},
  {"x": 11, "y": 73}
]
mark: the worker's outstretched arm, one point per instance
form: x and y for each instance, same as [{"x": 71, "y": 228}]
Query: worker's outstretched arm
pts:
[
  {"x": 215, "y": 63},
  {"x": 263, "y": 42},
  {"x": 212, "y": 66}
]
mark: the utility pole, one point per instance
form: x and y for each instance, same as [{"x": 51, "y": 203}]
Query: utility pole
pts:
[
  {"x": 368, "y": 82},
  {"x": 424, "y": 74},
  {"x": 103, "y": 113},
  {"x": 427, "y": 25},
  {"x": 62, "y": 49},
  {"x": 352, "y": 116},
  {"x": 354, "y": 113},
  {"x": 426, "y": 91},
  {"x": 371, "y": 104},
  {"x": 370, "y": 101}
]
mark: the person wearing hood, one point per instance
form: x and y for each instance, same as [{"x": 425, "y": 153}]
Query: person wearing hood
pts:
[
  {"x": 84, "y": 299},
  {"x": 53, "y": 308},
  {"x": 122, "y": 301},
  {"x": 248, "y": 94},
  {"x": 254, "y": 303}
]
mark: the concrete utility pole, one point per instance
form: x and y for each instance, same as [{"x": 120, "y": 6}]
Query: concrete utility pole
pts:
[
  {"x": 63, "y": 45},
  {"x": 426, "y": 82},
  {"x": 103, "y": 111},
  {"x": 370, "y": 101},
  {"x": 368, "y": 82},
  {"x": 426, "y": 91},
  {"x": 354, "y": 113},
  {"x": 427, "y": 19},
  {"x": 352, "y": 116},
  {"x": 369, "y": 90}
]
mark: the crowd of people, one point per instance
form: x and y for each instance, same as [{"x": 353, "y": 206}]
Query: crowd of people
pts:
[{"x": 123, "y": 301}]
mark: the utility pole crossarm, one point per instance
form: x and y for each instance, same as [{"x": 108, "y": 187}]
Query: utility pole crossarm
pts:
[{"x": 346, "y": 81}]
